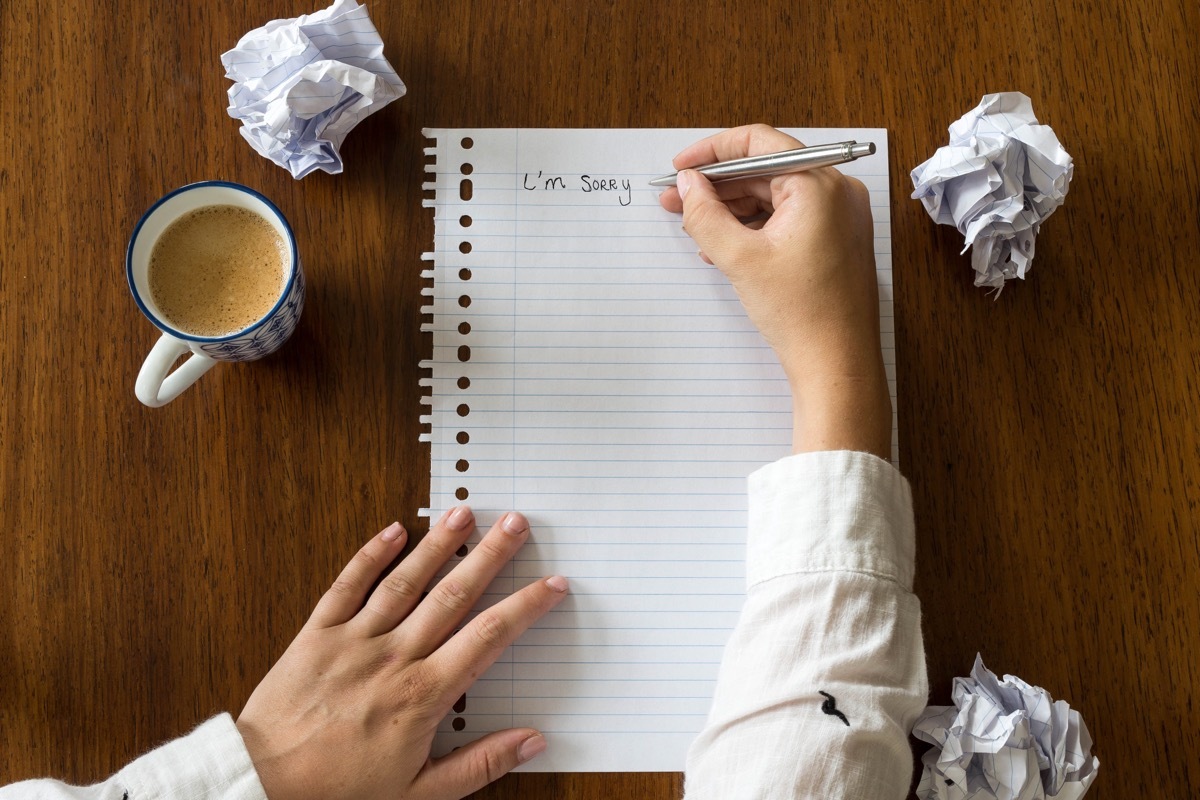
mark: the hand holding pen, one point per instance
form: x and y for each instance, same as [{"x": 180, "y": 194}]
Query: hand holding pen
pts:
[{"x": 803, "y": 264}]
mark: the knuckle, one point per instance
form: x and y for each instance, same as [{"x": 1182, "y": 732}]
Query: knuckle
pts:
[
  {"x": 399, "y": 586},
  {"x": 440, "y": 545},
  {"x": 342, "y": 588},
  {"x": 491, "y": 551},
  {"x": 491, "y": 629},
  {"x": 452, "y": 595},
  {"x": 416, "y": 689},
  {"x": 854, "y": 183},
  {"x": 770, "y": 137},
  {"x": 366, "y": 561},
  {"x": 860, "y": 191},
  {"x": 491, "y": 766}
]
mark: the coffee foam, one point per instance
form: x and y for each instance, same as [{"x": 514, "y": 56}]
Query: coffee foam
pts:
[{"x": 217, "y": 270}]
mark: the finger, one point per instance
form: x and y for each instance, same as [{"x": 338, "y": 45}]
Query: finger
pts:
[
  {"x": 345, "y": 597},
  {"x": 747, "y": 208},
  {"x": 710, "y": 222},
  {"x": 669, "y": 199},
  {"x": 435, "y": 618},
  {"x": 748, "y": 140},
  {"x": 481, "y": 641},
  {"x": 755, "y": 193},
  {"x": 470, "y": 768},
  {"x": 398, "y": 593}
]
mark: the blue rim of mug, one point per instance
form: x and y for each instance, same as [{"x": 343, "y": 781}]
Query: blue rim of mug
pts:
[{"x": 162, "y": 324}]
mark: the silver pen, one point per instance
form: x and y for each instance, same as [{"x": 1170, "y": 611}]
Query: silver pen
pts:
[{"x": 805, "y": 158}]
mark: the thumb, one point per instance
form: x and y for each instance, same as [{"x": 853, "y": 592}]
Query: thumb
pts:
[
  {"x": 709, "y": 221},
  {"x": 473, "y": 766}
]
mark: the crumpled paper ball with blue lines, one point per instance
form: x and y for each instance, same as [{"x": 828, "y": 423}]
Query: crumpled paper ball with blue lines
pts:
[
  {"x": 1004, "y": 740},
  {"x": 1000, "y": 177},
  {"x": 301, "y": 85}
]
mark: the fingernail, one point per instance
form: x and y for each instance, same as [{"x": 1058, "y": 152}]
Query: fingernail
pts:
[
  {"x": 683, "y": 182},
  {"x": 514, "y": 523},
  {"x": 391, "y": 533},
  {"x": 459, "y": 518},
  {"x": 533, "y": 746},
  {"x": 557, "y": 582}
]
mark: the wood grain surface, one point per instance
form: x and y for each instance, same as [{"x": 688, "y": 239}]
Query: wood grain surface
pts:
[{"x": 154, "y": 563}]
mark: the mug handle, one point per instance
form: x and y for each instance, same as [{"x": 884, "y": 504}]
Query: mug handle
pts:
[{"x": 154, "y": 386}]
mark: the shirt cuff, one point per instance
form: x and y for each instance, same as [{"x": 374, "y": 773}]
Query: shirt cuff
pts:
[
  {"x": 830, "y": 511},
  {"x": 210, "y": 762}
]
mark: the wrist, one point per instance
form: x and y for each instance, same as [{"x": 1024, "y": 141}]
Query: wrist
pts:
[{"x": 843, "y": 412}]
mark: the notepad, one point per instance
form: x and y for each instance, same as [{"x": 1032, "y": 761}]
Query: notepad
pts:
[{"x": 592, "y": 372}]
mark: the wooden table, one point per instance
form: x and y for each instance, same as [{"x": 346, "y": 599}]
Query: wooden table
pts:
[{"x": 153, "y": 563}]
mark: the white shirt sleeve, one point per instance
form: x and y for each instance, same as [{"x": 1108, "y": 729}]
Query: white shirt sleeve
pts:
[
  {"x": 824, "y": 674},
  {"x": 210, "y": 763}
]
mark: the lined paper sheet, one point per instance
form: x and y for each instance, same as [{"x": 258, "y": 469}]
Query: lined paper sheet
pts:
[{"x": 592, "y": 372}]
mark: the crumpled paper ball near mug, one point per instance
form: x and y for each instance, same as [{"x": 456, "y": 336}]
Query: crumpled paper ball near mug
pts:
[{"x": 301, "y": 85}]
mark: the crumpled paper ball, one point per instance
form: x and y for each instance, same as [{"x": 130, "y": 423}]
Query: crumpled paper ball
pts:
[
  {"x": 1004, "y": 740},
  {"x": 301, "y": 85},
  {"x": 1000, "y": 177}
]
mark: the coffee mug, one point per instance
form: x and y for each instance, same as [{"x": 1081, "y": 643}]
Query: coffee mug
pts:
[{"x": 156, "y": 384}]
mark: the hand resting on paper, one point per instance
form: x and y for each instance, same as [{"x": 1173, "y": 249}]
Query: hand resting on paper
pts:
[
  {"x": 798, "y": 249},
  {"x": 351, "y": 708}
]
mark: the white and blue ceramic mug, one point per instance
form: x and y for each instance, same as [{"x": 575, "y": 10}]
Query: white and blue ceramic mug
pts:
[{"x": 156, "y": 384}]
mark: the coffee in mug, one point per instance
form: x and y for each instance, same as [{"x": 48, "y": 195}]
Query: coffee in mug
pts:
[
  {"x": 217, "y": 270},
  {"x": 214, "y": 266}
]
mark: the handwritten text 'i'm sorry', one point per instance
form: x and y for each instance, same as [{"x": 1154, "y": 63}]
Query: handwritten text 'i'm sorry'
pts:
[{"x": 587, "y": 184}]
